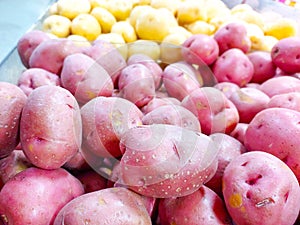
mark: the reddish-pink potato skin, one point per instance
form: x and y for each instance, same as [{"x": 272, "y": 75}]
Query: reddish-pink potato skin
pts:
[
  {"x": 214, "y": 110},
  {"x": 232, "y": 35},
  {"x": 285, "y": 54},
  {"x": 233, "y": 66},
  {"x": 85, "y": 78},
  {"x": 108, "y": 57},
  {"x": 229, "y": 148},
  {"x": 92, "y": 181},
  {"x": 117, "y": 206},
  {"x": 239, "y": 132},
  {"x": 35, "y": 196},
  {"x": 159, "y": 101},
  {"x": 147, "y": 61},
  {"x": 227, "y": 88},
  {"x": 77, "y": 163},
  {"x": 203, "y": 206},
  {"x": 258, "y": 187},
  {"x": 28, "y": 42},
  {"x": 12, "y": 101},
  {"x": 276, "y": 131},
  {"x": 104, "y": 121},
  {"x": 289, "y": 100},
  {"x": 50, "y": 54},
  {"x": 200, "y": 49},
  {"x": 50, "y": 127},
  {"x": 136, "y": 84},
  {"x": 173, "y": 114},
  {"x": 264, "y": 68},
  {"x": 13, "y": 164},
  {"x": 249, "y": 101},
  {"x": 164, "y": 161},
  {"x": 180, "y": 79},
  {"x": 280, "y": 85},
  {"x": 32, "y": 78}
]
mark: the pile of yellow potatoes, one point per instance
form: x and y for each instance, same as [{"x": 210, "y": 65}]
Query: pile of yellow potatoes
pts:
[{"x": 169, "y": 21}]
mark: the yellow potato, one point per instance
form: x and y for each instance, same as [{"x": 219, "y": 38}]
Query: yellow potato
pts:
[
  {"x": 99, "y": 3},
  {"x": 147, "y": 47},
  {"x": 53, "y": 9},
  {"x": 87, "y": 26},
  {"x": 105, "y": 18},
  {"x": 170, "y": 50},
  {"x": 73, "y": 8},
  {"x": 179, "y": 30},
  {"x": 255, "y": 33},
  {"x": 190, "y": 11},
  {"x": 250, "y": 16},
  {"x": 125, "y": 29},
  {"x": 153, "y": 25},
  {"x": 57, "y": 25},
  {"x": 120, "y": 8},
  {"x": 117, "y": 40},
  {"x": 282, "y": 28},
  {"x": 241, "y": 8},
  {"x": 136, "y": 12},
  {"x": 219, "y": 21},
  {"x": 140, "y": 2},
  {"x": 79, "y": 40},
  {"x": 265, "y": 44},
  {"x": 201, "y": 27},
  {"x": 216, "y": 8},
  {"x": 171, "y": 5}
]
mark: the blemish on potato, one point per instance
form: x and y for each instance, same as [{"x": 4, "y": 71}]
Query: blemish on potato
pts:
[
  {"x": 235, "y": 200},
  {"x": 264, "y": 202}
]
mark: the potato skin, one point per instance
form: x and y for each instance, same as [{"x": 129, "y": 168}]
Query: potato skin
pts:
[
  {"x": 118, "y": 206},
  {"x": 203, "y": 206},
  {"x": 50, "y": 127},
  {"x": 12, "y": 101},
  {"x": 34, "y": 196},
  {"x": 253, "y": 194},
  {"x": 280, "y": 130}
]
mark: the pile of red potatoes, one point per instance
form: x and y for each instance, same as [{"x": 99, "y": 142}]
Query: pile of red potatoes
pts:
[{"x": 202, "y": 133}]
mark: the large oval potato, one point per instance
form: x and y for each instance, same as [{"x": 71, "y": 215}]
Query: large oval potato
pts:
[
  {"x": 35, "y": 196},
  {"x": 50, "y": 127},
  {"x": 12, "y": 101},
  {"x": 117, "y": 206},
  {"x": 164, "y": 161},
  {"x": 253, "y": 193}
]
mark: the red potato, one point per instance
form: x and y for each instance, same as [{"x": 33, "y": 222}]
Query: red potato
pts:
[
  {"x": 200, "y": 49},
  {"x": 239, "y": 132},
  {"x": 28, "y": 42},
  {"x": 164, "y": 161},
  {"x": 77, "y": 163},
  {"x": 232, "y": 35},
  {"x": 157, "y": 102},
  {"x": 50, "y": 54},
  {"x": 203, "y": 206},
  {"x": 264, "y": 68},
  {"x": 288, "y": 100},
  {"x": 50, "y": 127},
  {"x": 249, "y": 101},
  {"x": 233, "y": 66},
  {"x": 229, "y": 149},
  {"x": 12, "y": 101},
  {"x": 215, "y": 112},
  {"x": 136, "y": 84},
  {"x": 180, "y": 79},
  {"x": 32, "y": 78},
  {"x": 85, "y": 78},
  {"x": 253, "y": 194},
  {"x": 285, "y": 54},
  {"x": 227, "y": 88},
  {"x": 91, "y": 180},
  {"x": 147, "y": 61},
  {"x": 12, "y": 165},
  {"x": 108, "y": 56},
  {"x": 173, "y": 115},
  {"x": 117, "y": 206},
  {"x": 35, "y": 196},
  {"x": 280, "y": 85},
  {"x": 104, "y": 120},
  {"x": 279, "y": 128}
]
